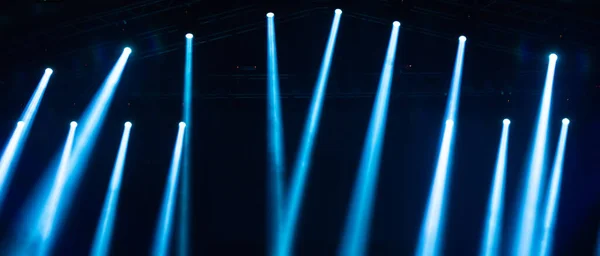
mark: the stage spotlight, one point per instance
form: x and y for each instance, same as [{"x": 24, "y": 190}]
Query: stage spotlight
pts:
[
  {"x": 49, "y": 71},
  {"x": 338, "y": 11},
  {"x": 20, "y": 124},
  {"x": 189, "y": 36},
  {"x": 566, "y": 121},
  {"x": 270, "y": 15},
  {"x": 462, "y": 38},
  {"x": 553, "y": 57},
  {"x": 73, "y": 124},
  {"x": 506, "y": 122},
  {"x": 396, "y": 24},
  {"x": 127, "y": 50},
  {"x": 128, "y": 124},
  {"x": 181, "y": 124}
]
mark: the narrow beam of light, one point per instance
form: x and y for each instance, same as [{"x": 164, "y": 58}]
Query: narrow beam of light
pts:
[
  {"x": 275, "y": 153},
  {"x": 164, "y": 227},
  {"x": 14, "y": 147},
  {"x": 184, "y": 211},
  {"x": 493, "y": 226},
  {"x": 526, "y": 222},
  {"x": 46, "y": 225},
  {"x": 432, "y": 227},
  {"x": 91, "y": 123},
  {"x": 356, "y": 230},
  {"x": 553, "y": 193},
  {"x": 303, "y": 159},
  {"x": 101, "y": 244}
]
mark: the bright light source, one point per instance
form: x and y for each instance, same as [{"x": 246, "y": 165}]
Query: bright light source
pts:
[
  {"x": 338, "y": 11},
  {"x": 449, "y": 122},
  {"x": 270, "y": 15},
  {"x": 462, "y": 38},
  {"x": 553, "y": 57},
  {"x": 396, "y": 24},
  {"x": 49, "y": 71},
  {"x": 189, "y": 36},
  {"x": 506, "y": 121},
  {"x": 127, "y": 50},
  {"x": 20, "y": 124},
  {"x": 566, "y": 121},
  {"x": 73, "y": 124},
  {"x": 127, "y": 124},
  {"x": 181, "y": 124}
]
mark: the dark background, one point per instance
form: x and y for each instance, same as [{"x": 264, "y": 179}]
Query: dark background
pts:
[{"x": 505, "y": 64}]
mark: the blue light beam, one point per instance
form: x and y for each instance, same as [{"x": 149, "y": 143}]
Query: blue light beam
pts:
[
  {"x": 46, "y": 225},
  {"x": 356, "y": 230},
  {"x": 526, "y": 221},
  {"x": 275, "y": 153},
  {"x": 92, "y": 121},
  {"x": 553, "y": 193},
  {"x": 303, "y": 159},
  {"x": 184, "y": 211},
  {"x": 433, "y": 223},
  {"x": 101, "y": 244},
  {"x": 164, "y": 227},
  {"x": 14, "y": 147},
  {"x": 493, "y": 225}
]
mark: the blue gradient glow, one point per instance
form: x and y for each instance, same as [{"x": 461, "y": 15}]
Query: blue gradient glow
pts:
[
  {"x": 164, "y": 226},
  {"x": 275, "y": 146},
  {"x": 355, "y": 236},
  {"x": 184, "y": 211},
  {"x": 85, "y": 139},
  {"x": 553, "y": 193},
  {"x": 303, "y": 159},
  {"x": 526, "y": 222},
  {"x": 101, "y": 244},
  {"x": 14, "y": 147},
  {"x": 490, "y": 245},
  {"x": 46, "y": 225},
  {"x": 432, "y": 227}
]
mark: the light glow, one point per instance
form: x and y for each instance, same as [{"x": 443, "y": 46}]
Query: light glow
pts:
[
  {"x": 189, "y": 36},
  {"x": 270, "y": 15}
]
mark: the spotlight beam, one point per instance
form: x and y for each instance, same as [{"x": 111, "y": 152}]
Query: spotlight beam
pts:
[
  {"x": 164, "y": 227},
  {"x": 12, "y": 151},
  {"x": 303, "y": 160},
  {"x": 553, "y": 193},
  {"x": 92, "y": 121},
  {"x": 357, "y": 225},
  {"x": 493, "y": 225},
  {"x": 275, "y": 146},
  {"x": 185, "y": 206},
  {"x": 101, "y": 244},
  {"x": 525, "y": 232},
  {"x": 433, "y": 223},
  {"x": 49, "y": 214}
]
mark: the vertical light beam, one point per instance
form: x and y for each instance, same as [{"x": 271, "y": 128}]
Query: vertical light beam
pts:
[
  {"x": 101, "y": 244},
  {"x": 553, "y": 193},
  {"x": 46, "y": 225},
  {"x": 356, "y": 230},
  {"x": 164, "y": 227},
  {"x": 184, "y": 211},
  {"x": 275, "y": 146},
  {"x": 12, "y": 151},
  {"x": 526, "y": 221},
  {"x": 493, "y": 226},
  {"x": 433, "y": 223},
  {"x": 303, "y": 159}
]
